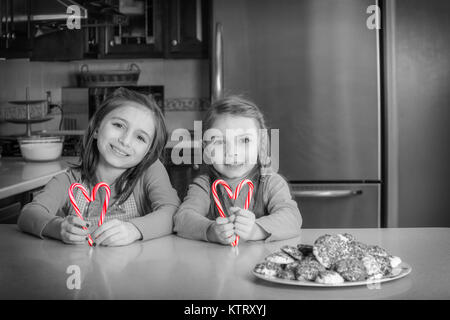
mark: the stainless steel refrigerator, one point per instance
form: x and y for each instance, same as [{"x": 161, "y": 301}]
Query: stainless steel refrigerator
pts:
[{"x": 313, "y": 68}]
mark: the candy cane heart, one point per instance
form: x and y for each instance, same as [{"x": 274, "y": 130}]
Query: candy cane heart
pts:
[
  {"x": 232, "y": 196},
  {"x": 90, "y": 198}
]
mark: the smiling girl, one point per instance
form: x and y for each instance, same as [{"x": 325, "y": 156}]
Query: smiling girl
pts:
[
  {"x": 121, "y": 147},
  {"x": 235, "y": 150}
]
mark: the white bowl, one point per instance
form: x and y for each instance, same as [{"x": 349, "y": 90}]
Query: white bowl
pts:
[{"x": 37, "y": 148}]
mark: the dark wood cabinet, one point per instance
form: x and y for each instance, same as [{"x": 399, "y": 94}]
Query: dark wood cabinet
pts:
[
  {"x": 158, "y": 29},
  {"x": 21, "y": 36},
  {"x": 169, "y": 29},
  {"x": 181, "y": 175},
  {"x": 15, "y": 28},
  {"x": 187, "y": 28},
  {"x": 140, "y": 36},
  {"x": 10, "y": 207},
  {"x": 60, "y": 45}
]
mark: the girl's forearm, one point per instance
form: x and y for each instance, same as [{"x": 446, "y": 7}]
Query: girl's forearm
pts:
[
  {"x": 53, "y": 229},
  {"x": 258, "y": 233},
  {"x": 211, "y": 235}
]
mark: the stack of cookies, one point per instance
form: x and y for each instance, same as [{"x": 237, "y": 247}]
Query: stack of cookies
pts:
[{"x": 333, "y": 259}]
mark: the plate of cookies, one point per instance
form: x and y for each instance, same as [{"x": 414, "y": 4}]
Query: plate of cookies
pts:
[{"x": 336, "y": 260}]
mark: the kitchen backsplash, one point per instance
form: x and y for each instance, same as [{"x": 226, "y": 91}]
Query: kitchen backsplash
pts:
[
  {"x": 185, "y": 81},
  {"x": 186, "y": 104}
]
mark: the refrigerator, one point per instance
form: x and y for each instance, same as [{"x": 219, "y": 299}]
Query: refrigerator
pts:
[{"x": 313, "y": 67}]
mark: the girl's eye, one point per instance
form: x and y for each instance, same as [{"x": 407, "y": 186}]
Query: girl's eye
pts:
[
  {"x": 142, "y": 139},
  {"x": 118, "y": 125}
]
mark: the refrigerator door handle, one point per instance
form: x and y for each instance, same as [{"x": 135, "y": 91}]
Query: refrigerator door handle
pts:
[
  {"x": 217, "y": 71},
  {"x": 326, "y": 193}
]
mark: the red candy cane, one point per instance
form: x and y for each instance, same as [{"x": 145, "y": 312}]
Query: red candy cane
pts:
[
  {"x": 89, "y": 199},
  {"x": 232, "y": 196}
]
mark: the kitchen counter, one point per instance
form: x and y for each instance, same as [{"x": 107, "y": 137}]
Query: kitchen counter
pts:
[
  {"x": 191, "y": 144},
  {"x": 17, "y": 175},
  {"x": 175, "y": 268}
]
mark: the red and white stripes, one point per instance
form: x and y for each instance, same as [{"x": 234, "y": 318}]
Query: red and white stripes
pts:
[
  {"x": 89, "y": 199},
  {"x": 232, "y": 196}
]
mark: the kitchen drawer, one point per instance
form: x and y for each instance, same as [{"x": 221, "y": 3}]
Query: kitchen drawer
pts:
[
  {"x": 338, "y": 205},
  {"x": 10, "y": 213},
  {"x": 10, "y": 207}
]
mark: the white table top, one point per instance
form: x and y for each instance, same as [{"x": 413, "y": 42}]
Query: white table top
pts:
[{"x": 175, "y": 268}]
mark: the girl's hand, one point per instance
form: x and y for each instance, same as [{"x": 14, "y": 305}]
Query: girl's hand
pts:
[
  {"x": 72, "y": 231},
  {"x": 222, "y": 231},
  {"x": 116, "y": 233},
  {"x": 244, "y": 223}
]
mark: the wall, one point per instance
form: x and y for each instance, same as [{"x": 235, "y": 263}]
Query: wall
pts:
[{"x": 186, "y": 83}]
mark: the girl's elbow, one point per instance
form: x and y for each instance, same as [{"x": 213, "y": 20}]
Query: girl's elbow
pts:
[
  {"x": 299, "y": 221},
  {"x": 178, "y": 219},
  {"x": 296, "y": 223},
  {"x": 20, "y": 223},
  {"x": 22, "y": 220}
]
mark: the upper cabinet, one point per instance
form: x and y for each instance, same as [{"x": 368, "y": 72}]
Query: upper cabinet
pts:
[
  {"x": 15, "y": 28},
  {"x": 188, "y": 27},
  {"x": 141, "y": 34},
  {"x": 113, "y": 29},
  {"x": 158, "y": 28}
]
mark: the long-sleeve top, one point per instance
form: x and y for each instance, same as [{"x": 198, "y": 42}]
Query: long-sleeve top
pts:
[
  {"x": 277, "y": 214},
  {"x": 155, "y": 198}
]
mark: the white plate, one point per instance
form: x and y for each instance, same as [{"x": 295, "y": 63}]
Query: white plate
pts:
[{"x": 402, "y": 270}]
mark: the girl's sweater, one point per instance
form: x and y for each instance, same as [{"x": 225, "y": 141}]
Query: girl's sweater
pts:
[
  {"x": 275, "y": 210},
  {"x": 155, "y": 198}
]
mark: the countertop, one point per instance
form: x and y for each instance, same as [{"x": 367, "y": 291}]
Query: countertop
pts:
[
  {"x": 17, "y": 175},
  {"x": 191, "y": 143},
  {"x": 175, "y": 268}
]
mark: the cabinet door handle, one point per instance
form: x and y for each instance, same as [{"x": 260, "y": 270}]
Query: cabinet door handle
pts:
[
  {"x": 174, "y": 43},
  {"x": 326, "y": 193}
]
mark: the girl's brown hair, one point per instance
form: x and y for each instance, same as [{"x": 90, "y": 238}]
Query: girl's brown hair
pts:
[{"x": 89, "y": 152}]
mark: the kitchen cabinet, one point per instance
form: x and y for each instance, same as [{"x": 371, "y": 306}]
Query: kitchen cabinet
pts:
[
  {"x": 131, "y": 29},
  {"x": 188, "y": 26},
  {"x": 158, "y": 29},
  {"x": 181, "y": 175},
  {"x": 15, "y": 28},
  {"x": 10, "y": 207},
  {"x": 140, "y": 36},
  {"x": 24, "y": 33},
  {"x": 60, "y": 45}
]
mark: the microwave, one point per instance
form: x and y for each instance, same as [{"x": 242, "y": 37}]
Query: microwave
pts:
[{"x": 79, "y": 104}]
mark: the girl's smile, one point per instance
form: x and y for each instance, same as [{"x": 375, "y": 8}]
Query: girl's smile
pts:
[
  {"x": 125, "y": 136},
  {"x": 118, "y": 151}
]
